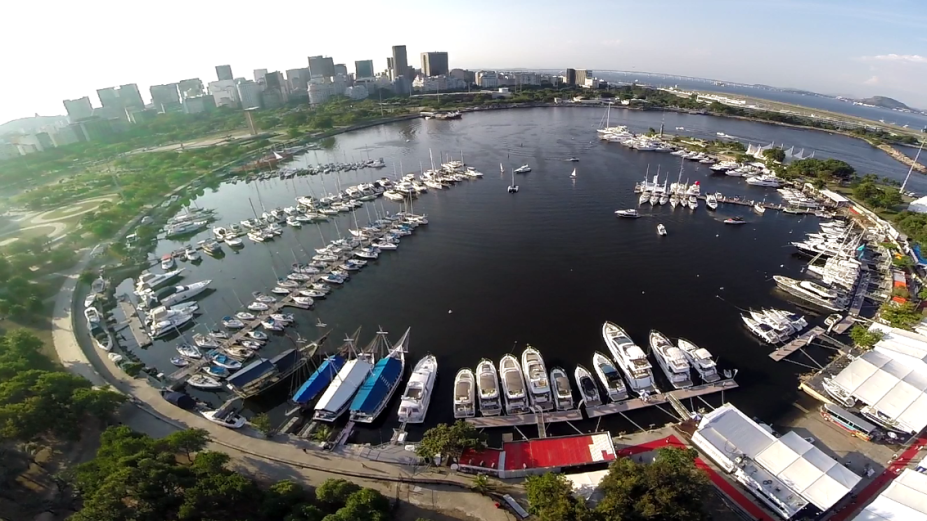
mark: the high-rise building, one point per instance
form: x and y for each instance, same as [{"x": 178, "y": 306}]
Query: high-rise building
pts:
[
  {"x": 434, "y": 64},
  {"x": 341, "y": 69},
  {"x": 131, "y": 97},
  {"x": 582, "y": 75},
  {"x": 191, "y": 88},
  {"x": 363, "y": 69},
  {"x": 225, "y": 92},
  {"x": 298, "y": 79},
  {"x": 197, "y": 104},
  {"x": 329, "y": 69},
  {"x": 165, "y": 98},
  {"x": 570, "y": 77},
  {"x": 109, "y": 98},
  {"x": 249, "y": 92},
  {"x": 321, "y": 67},
  {"x": 78, "y": 109},
  {"x": 259, "y": 75},
  {"x": 400, "y": 65},
  {"x": 224, "y": 72}
]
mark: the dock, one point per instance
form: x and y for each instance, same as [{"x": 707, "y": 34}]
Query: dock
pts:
[
  {"x": 134, "y": 322},
  {"x": 797, "y": 343},
  {"x": 657, "y": 399},
  {"x": 489, "y": 422}
]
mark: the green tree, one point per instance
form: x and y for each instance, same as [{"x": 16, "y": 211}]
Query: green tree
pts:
[
  {"x": 774, "y": 154},
  {"x": 450, "y": 440},
  {"x": 903, "y": 316},
  {"x": 186, "y": 442},
  {"x": 863, "y": 337},
  {"x": 482, "y": 484},
  {"x": 366, "y": 504},
  {"x": 334, "y": 493},
  {"x": 550, "y": 498}
]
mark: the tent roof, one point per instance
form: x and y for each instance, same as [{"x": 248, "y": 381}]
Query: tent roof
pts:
[{"x": 905, "y": 499}]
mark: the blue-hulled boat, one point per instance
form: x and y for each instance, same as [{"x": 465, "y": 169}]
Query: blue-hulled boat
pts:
[
  {"x": 376, "y": 391},
  {"x": 319, "y": 380}
]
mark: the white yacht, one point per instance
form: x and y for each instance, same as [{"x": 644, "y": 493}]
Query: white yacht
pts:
[
  {"x": 415, "y": 400},
  {"x": 627, "y": 214},
  {"x": 487, "y": 384},
  {"x": 608, "y": 375},
  {"x": 764, "y": 180},
  {"x": 711, "y": 202},
  {"x": 644, "y": 198},
  {"x": 464, "y": 406},
  {"x": 191, "y": 254},
  {"x": 671, "y": 359},
  {"x": 169, "y": 325},
  {"x": 798, "y": 322},
  {"x": 630, "y": 359},
  {"x": 674, "y": 200},
  {"x": 523, "y": 169},
  {"x": 783, "y": 328},
  {"x": 539, "y": 391},
  {"x": 93, "y": 316},
  {"x": 148, "y": 280},
  {"x": 692, "y": 201},
  {"x": 563, "y": 392},
  {"x": 587, "y": 388},
  {"x": 700, "y": 359},
  {"x": 764, "y": 332},
  {"x": 811, "y": 292},
  {"x": 759, "y": 208},
  {"x": 202, "y": 381},
  {"x": 513, "y": 386},
  {"x": 185, "y": 292},
  {"x": 661, "y": 230}
]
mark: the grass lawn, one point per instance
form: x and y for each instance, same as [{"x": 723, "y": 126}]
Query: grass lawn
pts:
[{"x": 74, "y": 208}]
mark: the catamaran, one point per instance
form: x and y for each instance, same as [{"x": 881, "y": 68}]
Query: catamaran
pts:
[
  {"x": 415, "y": 400},
  {"x": 671, "y": 359},
  {"x": 630, "y": 359},
  {"x": 464, "y": 406},
  {"x": 587, "y": 387},
  {"x": 488, "y": 386},
  {"x": 539, "y": 392},
  {"x": 563, "y": 392},
  {"x": 513, "y": 386},
  {"x": 513, "y": 188},
  {"x": 608, "y": 375},
  {"x": 700, "y": 359},
  {"x": 380, "y": 385}
]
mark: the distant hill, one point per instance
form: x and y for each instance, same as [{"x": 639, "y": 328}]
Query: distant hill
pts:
[
  {"x": 29, "y": 124},
  {"x": 885, "y": 102}
]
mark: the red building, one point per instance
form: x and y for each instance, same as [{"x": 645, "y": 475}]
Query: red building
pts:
[{"x": 521, "y": 458}]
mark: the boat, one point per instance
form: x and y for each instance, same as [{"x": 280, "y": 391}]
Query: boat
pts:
[
  {"x": 185, "y": 292},
  {"x": 385, "y": 377},
  {"x": 692, "y": 201},
  {"x": 587, "y": 388},
  {"x": 244, "y": 315},
  {"x": 630, "y": 358},
  {"x": 487, "y": 384},
  {"x": 815, "y": 293},
  {"x": 257, "y": 335},
  {"x": 189, "y": 351},
  {"x": 759, "y": 208},
  {"x": 513, "y": 386},
  {"x": 838, "y": 393},
  {"x": 148, "y": 280},
  {"x": 539, "y": 391},
  {"x": 464, "y": 405},
  {"x": 216, "y": 371},
  {"x": 201, "y": 340},
  {"x": 98, "y": 285},
  {"x": 700, "y": 359},
  {"x": 848, "y": 421},
  {"x": 573, "y": 175},
  {"x": 337, "y": 396},
  {"x": 630, "y": 213},
  {"x": 763, "y": 331},
  {"x": 711, "y": 202},
  {"x": 672, "y": 360},
  {"x": 608, "y": 375},
  {"x": 319, "y": 379},
  {"x": 674, "y": 200},
  {"x": 415, "y": 400},
  {"x": 93, "y": 317},
  {"x": 202, "y": 381},
  {"x": 523, "y": 169},
  {"x": 191, "y": 254},
  {"x": 234, "y": 242},
  {"x": 227, "y": 362},
  {"x": 258, "y": 306},
  {"x": 167, "y": 262},
  {"x": 735, "y": 220},
  {"x": 661, "y": 230},
  {"x": 231, "y": 421},
  {"x": 103, "y": 340},
  {"x": 782, "y": 327},
  {"x": 90, "y": 299},
  {"x": 179, "y": 361},
  {"x": 563, "y": 392},
  {"x": 644, "y": 197}
]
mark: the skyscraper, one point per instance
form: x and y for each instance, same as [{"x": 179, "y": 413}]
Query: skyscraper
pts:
[
  {"x": 259, "y": 75},
  {"x": 400, "y": 62},
  {"x": 298, "y": 79},
  {"x": 109, "y": 98},
  {"x": 78, "y": 109},
  {"x": 165, "y": 98},
  {"x": 224, "y": 72},
  {"x": 249, "y": 93},
  {"x": 341, "y": 69},
  {"x": 321, "y": 67},
  {"x": 581, "y": 75},
  {"x": 191, "y": 88},
  {"x": 571, "y": 77},
  {"x": 434, "y": 64},
  {"x": 363, "y": 69},
  {"x": 329, "y": 67},
  {"x": 131, "y": 97}
]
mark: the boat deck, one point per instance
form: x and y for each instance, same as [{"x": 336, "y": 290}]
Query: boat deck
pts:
[
  {"x": 139, "y": 333},
  {"x": 637, "y": 403},
  {"x": 796, "y": 343},
  {"x": 488, "y": 422}
]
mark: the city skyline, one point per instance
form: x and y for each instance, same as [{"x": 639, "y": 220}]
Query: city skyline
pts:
[{"x": 840, "y": 48}]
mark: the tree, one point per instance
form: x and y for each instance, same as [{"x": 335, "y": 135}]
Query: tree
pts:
[
  {"x": 482, "y": 484},
  {"x": 863, "y": 337},
  {"x": 186, "y": 442},
  {"x": 334, "y": 493},
  {"x": 550, "y": 498},
  {"x": 775, "y": 154},
  {"x": 366, "y": 504},
  {"x": 903, "y": 316},
  {"x": 281, "y": 498},
  {"x": 450, "y": 440},
  {"x": 262, "y": 423}
]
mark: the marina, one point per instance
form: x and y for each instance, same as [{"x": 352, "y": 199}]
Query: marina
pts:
[{"x": 799, "y": 342}]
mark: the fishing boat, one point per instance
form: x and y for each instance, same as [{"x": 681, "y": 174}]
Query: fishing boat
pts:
[
  {"x": 539, "y": 391},
  {"x": 464, "y": 406},
  {"x": 337, "y": 396},
  {"x": 630, "y": 213},
  {"x": 711, "y": 202},
  {"x": 610, "y": 378},
  {"x": 415, "y": 400},
  {"x": 513, "y": 386},
  {"x": 487, "y": 384},
  {"x": 231, "y": 421},
  {"x": 563, "y": 392},
  {"x": 630, "y": 359},
  {"x": 202, "y": 381},
  {"x": 700, "y": 359},
  {"x": 661, "y": 230},
  {"x": 587, "y": 388},
  {"x": 383, "y": 380},
  {"x": 671, "y": 359},
  {"x": 735, "y": 220}
]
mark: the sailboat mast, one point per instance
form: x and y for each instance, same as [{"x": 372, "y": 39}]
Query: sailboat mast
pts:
[{"x": 901, "y": 190}]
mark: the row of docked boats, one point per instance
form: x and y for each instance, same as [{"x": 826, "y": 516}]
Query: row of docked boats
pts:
[
  {"x": 289, "y": 171},
  {"x": 527, "y": 387},
  {"x": 837, "y": 245},
  {"x": 774, "y": 326}
]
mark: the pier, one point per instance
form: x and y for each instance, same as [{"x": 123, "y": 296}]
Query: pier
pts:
[
  {"x": 797, "y": 343},
  {"x": 142, "y": 339},
  {"x": 488, "y": 422}
]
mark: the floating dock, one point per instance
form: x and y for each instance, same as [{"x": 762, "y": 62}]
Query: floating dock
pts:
[
  {"x": 796, "y": 343},
  {"x": 135, "y": 324},
  {"x": 488, "y": 422}
]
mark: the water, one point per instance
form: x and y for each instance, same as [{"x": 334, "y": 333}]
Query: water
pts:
[
  {"x": 912, "y": 120},
  {"x": 547, "y": 266}
]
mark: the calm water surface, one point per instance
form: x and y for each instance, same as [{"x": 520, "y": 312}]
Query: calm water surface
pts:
[{"x": 493, "y": 271}]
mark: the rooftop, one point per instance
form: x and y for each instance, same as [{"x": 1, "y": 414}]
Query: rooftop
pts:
[
  {"x": 904, "y": 499},
  {"x": 545, "y": 453}
]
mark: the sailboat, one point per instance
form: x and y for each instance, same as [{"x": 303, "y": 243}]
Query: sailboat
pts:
[
  {"x": 383, "y": 380},
  {"x": 573, "y": 175},
  {"x": 513, "y": 188}
]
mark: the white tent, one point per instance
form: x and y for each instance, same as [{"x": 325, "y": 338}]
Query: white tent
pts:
[
  {"x": 918, "y": 205},
  {"x": 904, "y": 500}
]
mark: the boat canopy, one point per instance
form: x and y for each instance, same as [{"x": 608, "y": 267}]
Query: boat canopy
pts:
[
  {"x": 251, "y": 372},
  {"x": 182, "y": 400},
  {"x": 343, "y": 387},
  {"x": 378, "y": 384},
  {"x": 319, "y": 379}
]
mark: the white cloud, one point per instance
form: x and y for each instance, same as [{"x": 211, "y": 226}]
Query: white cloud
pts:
[
  {"x": 874, "y": 80},
  {"x": 610, "y": 43},
  {"x": 908, "y": 58}
]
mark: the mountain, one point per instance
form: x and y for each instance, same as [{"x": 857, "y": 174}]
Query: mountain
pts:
[
  {"x": 885, "y": 102},
  {"x": 28, "y": 125}
]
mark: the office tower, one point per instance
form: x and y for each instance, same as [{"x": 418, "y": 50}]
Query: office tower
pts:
[
  {"x": 190, "y": 88},
  {"x": 582, "y": 75},
  {"x": 571, "y": 77},
  {"x": 225, "y": 92},
  {"x": 321, "y": 67},
  {"x": 434, "y": 64},
  {"x": 400, "y": 62},
  {"x": 341, "y": 69},
  {"x": 329, "y": 69},
  {"x": 130, "y": 96},
  {"x": 165, "y": 98},
  {"x": 224, "y": 72},
  {"x": 109, "y": 98},
  {"x": 78, "y": 109},
  {"x": 298, "y": 79},
  {"x": 389, "y": 66},
  {"x": 363, "y": 69},
  {"x": 259, "y": 75},
  {"x": 249, "y": 93},
  {"x": 274, "y": 80}
]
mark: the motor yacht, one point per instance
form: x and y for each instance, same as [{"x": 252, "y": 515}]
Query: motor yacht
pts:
[
  {"x": 627, "y": 214},
  {"x": 523, "y": 169},
  {"x": 711, "y": 202},
  {"x": 630, "y": 359},
  {"x": 464, "y": 387},
  {"x": 191, "y": 254},
  {"x": 661, "y": 230},
  {"x": 415, "y": 401},
  {"x": 644, "y": 197},
  {"x": 700, "y": 359},
  {"x": 764, "y": 332},
  {"x": 232, "y": 323},
  {"x": 814, "y": 293},
  {"x": 672, "y": 360},
  {"x": 513, "y": 386},
  {"x": 610, "y": 378},
  {"x": 783, "y": 328},
  {"x": 797, "y": 321},
  {"x": 587, "y": 387},
  {"x": 764, "y": 180},
  {"x": 692, "y": 201},
  {"x": 759, "y": 208},
  {"x": 258, "y": 306},
  {"x": 148, "y": 280},
  {"x": 539, "y": 391},
  {"x": 185, "y": 292},
  {"x": 488, "y": 386},
  {"x": 563, "y": 391}
]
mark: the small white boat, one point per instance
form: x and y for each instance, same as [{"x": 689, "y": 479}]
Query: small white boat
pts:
[
  {"x": 232, "y": 421},
  {"x": 539, "y": 391},
  {"x": 202, "y": 340},
  {"x": 93, "y": 316},
  {"x": 488, "y": 386},
  {"x": 232, "y": 323},
  {"x": 627, "y": 214},
  {"x": 191, "y": 254},
  {"x": 260, "y": 297},
  {"x": 587, "y": 387},
  {"x": 513, "y": 386},
  {"x": 415, "y": 401},
  {"x": 610, "y": 378},
  {"x": 523, "y": 169},
  {"x": 303, "y": 302},
  {"x": 573, "y": 175},
  {"x": 661, "y": 230},
  {"x": 189, "y": 351},
  {"x": 103, "y": 340},
  {"x": 244, "y": 315},
  {"x": 464, "y": 387},
  {"x": 563, "y": 391},
  {"x": 90, "y": 299},
  {"x": 711, "y": 202},
  {"x": 167, "y": 262},
  {"x": 759, "y": 208},
  {"x": 258, "y": 306},
  {"x": 202, "y": 381},
  {"x": 234, "y": 242},
  {"x": 227, "y": 362}
]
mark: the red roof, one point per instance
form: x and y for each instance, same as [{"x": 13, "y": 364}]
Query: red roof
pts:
[
  {"x": 567, "y": 451},
  {"x": 487, "y": 459}
]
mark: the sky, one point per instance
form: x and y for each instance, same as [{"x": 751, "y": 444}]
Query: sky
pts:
[{"x": 61, "y": 49}]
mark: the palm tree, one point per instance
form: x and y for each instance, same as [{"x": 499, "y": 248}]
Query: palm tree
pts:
[
  {"x": 482, "y": 484},
  {"x": 322, "y": 433}
]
